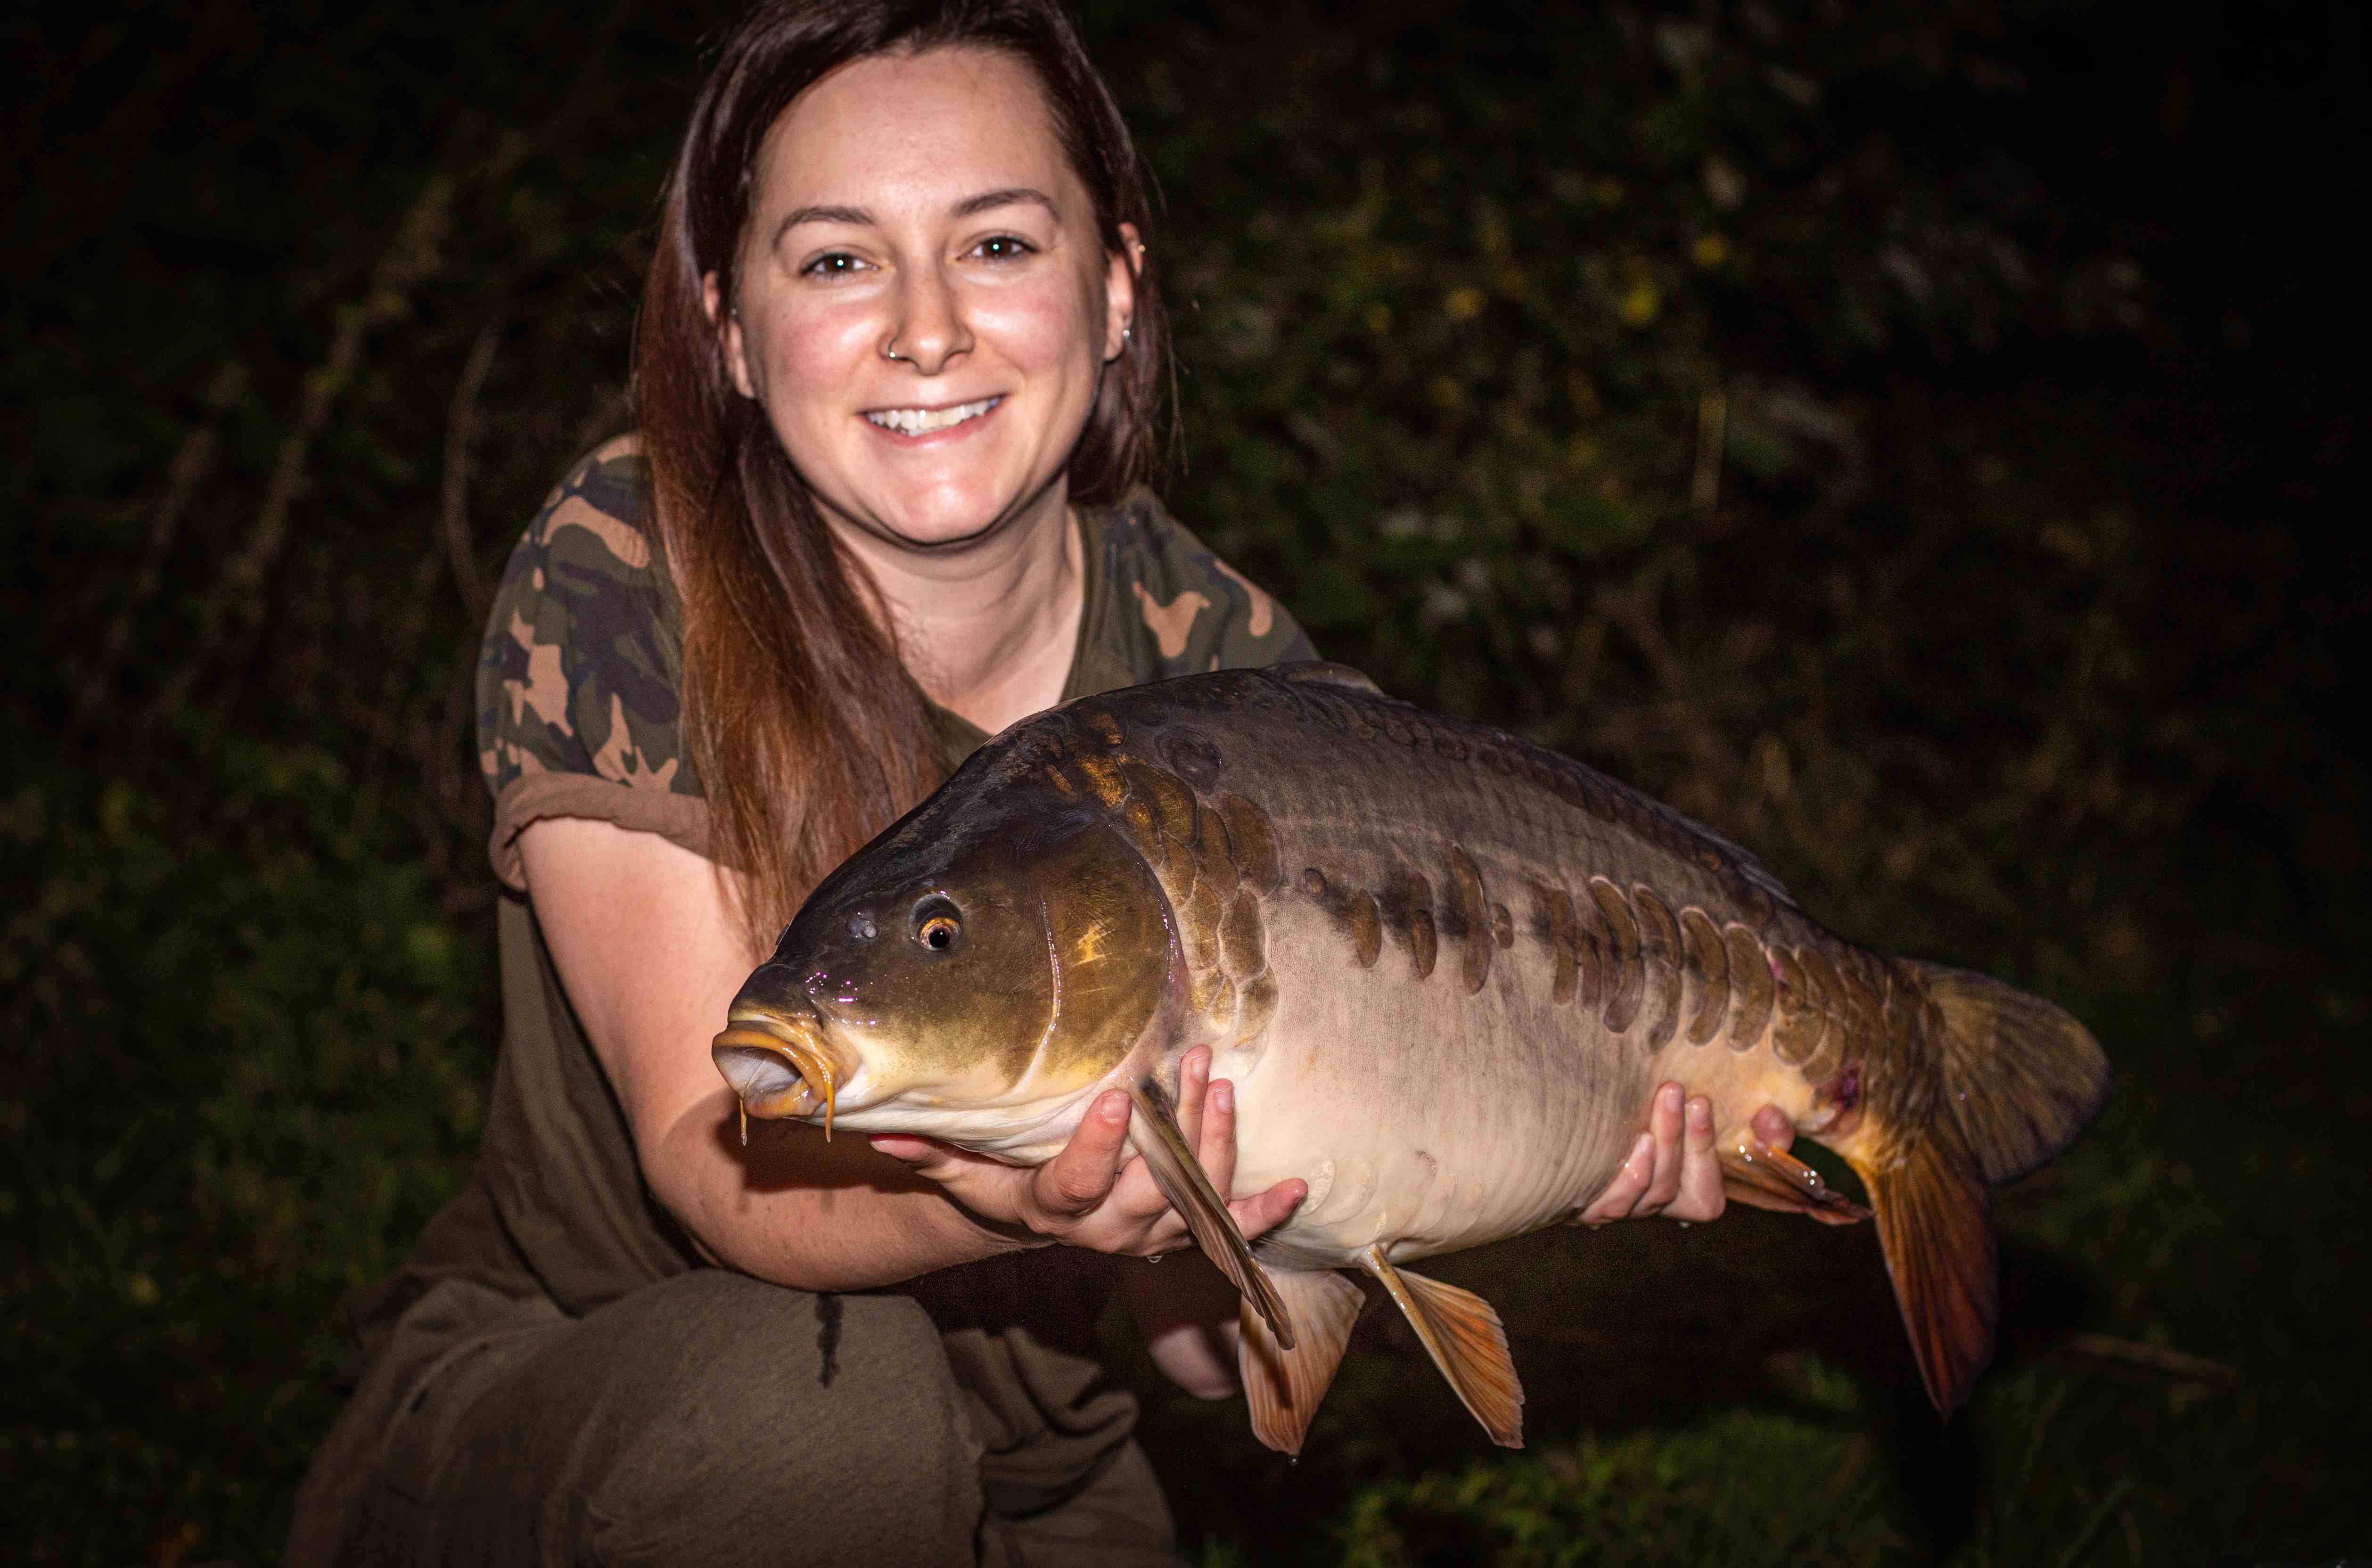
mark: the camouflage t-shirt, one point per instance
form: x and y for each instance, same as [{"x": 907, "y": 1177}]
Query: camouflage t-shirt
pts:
[
  {"x": 579, "y": 703},
  {"x": 579, "y": 712}
]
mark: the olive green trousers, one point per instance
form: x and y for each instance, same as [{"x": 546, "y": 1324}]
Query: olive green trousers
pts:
[{"x": 716, "y": 1419}]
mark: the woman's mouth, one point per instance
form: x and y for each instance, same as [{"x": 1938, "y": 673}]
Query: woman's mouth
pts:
[{"x": 930, "y": 421}]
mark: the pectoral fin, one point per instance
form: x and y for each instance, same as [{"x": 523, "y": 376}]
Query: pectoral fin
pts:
[
  {"x": 1753, "y": 1172},
  {"x": 1285, "y": 1385},
  {"x": 1156, "y": 1137},
  {"x": 1464, "y": 1337}
]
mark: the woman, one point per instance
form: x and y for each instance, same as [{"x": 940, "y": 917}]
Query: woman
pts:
[{"x": 896, "y": 371}]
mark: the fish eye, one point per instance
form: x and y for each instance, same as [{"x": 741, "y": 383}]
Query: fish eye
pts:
[{"x": 935, "y": 925}]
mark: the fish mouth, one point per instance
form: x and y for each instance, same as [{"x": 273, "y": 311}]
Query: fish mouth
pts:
[{"x": 778, "y": 1066}]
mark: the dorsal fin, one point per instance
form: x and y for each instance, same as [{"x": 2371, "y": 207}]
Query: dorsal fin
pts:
[
  {"x": 1325, "y": 672},
  {"x": 1627, "y": 802}
]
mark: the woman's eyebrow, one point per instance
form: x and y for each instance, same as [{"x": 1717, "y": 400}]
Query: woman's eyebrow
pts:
[
  {"x": 1007, "y": 197},
  {"x": 854, "y": 217},
  {"x": 859, "y": 218}
]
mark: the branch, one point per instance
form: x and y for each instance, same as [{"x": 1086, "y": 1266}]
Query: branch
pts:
[
  {"x": 234, "y": 610},
  {"x": 192, "y": 466},
  {"x": 461, "y": 426}
]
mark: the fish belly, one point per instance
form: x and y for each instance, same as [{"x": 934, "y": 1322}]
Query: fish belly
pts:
[
  {"x": 1437, "y": 1094},
  {"x": 1423, "y": 1116}
]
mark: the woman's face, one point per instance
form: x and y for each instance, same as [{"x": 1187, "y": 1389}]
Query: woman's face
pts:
[{"x": 925, "y": 308}]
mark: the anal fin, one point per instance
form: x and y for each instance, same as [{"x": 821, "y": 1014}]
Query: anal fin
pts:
[
  {"x": 1285, "y": 1385},
  {"x": 1157, "y": 1135},
  {"x": 1464, "y": 1337},
  {"x": 1938, "y": 1238},
  {"x": 1753, "y": 1172}
]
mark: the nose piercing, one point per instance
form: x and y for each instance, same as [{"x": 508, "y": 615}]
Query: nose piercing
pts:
[{"x": 890, "y": 350}]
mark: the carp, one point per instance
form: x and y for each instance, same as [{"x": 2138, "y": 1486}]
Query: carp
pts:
[{"x": 1444, "y": 968}]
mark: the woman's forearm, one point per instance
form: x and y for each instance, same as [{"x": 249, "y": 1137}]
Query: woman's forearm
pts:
[
  {"x": 799, "y": 1210},
  {"x": 650, "y": 954}
]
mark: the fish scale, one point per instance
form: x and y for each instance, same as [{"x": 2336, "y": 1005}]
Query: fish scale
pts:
[{"x": 1443, "y": 967}]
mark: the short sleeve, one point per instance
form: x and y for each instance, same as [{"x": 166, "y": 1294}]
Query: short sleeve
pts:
[
  {"x": 1176, "y": 609},
  {"x": 579, "y": 695}
]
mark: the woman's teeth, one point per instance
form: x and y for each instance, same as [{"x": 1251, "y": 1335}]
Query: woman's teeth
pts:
[{"x": 922, "y": 421}]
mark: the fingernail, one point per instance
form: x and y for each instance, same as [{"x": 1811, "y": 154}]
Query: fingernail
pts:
[
  {"x": 1670, "y": 1095},
  {"x": 1645, "y": 1149},
  {"x": 1113, "y": 1107},
  {"x": 1700, "y": 1115},
  {"x": 1222, "y": 1095}
]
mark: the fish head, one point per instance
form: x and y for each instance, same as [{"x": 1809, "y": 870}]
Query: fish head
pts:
[{"x": 974, "y": 974}]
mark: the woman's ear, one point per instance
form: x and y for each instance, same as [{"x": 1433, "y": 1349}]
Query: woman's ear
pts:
[
  {"x": 1120, "y": 291},
  {"x": 729, "y": 335}
]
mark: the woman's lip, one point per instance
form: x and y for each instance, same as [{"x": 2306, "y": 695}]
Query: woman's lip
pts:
[{"x": 988, "y": 405}]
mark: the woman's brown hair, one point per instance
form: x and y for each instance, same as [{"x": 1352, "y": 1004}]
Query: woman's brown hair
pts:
[{"x": 809, "y": 732}]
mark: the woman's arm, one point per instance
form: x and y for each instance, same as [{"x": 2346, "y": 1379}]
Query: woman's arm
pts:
[{"x": 650, "y": 957}]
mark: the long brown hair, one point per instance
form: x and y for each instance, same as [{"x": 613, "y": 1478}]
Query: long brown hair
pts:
[{"x": 809, "y": 732}]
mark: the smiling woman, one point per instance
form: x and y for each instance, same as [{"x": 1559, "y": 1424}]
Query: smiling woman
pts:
[{"x": 896, "y": 376}]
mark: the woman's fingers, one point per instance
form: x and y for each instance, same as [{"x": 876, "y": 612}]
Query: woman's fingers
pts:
[
  {"x": 923, "y": 1157},
  {"x": 1263, "y": 1211},
  {"x": 1774, "y": 1127},
  {"x": 1078, "y": 1179},
  {"x": 1672, "y": 1168},
  {"x": 1664, "y": 1126},
  {"x": 1194, "y": 1094},
  {"x": 1217, "y": 1149},
  {"x": 1699, "y": 1196},
  {"x": 1615, "y": 1202}
]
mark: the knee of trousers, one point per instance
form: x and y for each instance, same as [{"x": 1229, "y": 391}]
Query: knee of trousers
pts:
[{"x": 755, "y": 1415}]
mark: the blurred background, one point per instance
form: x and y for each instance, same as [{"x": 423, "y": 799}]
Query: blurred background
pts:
[{"x": 1923, "y": 440}]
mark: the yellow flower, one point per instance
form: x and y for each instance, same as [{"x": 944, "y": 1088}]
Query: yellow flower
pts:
[
  {"x": 1379, "y": 318},
  {"x": 1711, "y": 251},
  {"x": 1465, "y": 304},
  {"x": 1642, "y": 303}
]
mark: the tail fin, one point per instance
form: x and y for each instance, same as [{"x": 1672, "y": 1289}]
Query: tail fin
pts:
[{"x": 2020, "y": 1078}]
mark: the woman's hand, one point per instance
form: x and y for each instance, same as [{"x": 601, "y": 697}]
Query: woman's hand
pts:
[
  {"x": 1679, "y": 1180},
  {"x": 1095, "y": 1193},
  {"x": 1187, "y": 1312}
]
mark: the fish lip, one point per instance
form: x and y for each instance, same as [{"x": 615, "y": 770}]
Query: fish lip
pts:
[{"x": 758, "y": 1045}]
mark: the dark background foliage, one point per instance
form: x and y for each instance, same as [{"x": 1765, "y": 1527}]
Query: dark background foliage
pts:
[{"x": 1921, "y": 440}]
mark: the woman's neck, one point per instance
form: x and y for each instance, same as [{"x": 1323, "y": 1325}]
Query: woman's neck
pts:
[{"x": 988, "y": 631}]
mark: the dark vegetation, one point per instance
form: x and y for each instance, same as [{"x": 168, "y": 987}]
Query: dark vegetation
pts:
[{"x": 1920, "y": 440}]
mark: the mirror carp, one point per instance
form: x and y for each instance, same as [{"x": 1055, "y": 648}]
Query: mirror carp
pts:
[{"x": 1444, "y": 968}]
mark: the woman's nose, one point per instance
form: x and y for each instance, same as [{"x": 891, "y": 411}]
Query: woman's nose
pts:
[{"x": 930, "y": 323}]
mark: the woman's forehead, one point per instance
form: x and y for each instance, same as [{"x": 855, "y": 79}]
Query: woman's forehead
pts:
[{"x": 914, "y": 134}]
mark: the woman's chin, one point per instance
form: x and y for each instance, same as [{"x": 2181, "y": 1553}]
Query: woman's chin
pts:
[{"x": 943, "y": 518}]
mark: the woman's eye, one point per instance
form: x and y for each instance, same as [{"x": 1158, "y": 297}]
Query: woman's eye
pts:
[
  {"x": 837, "y": 264},
  {"x": 1003, "y": 248}
]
